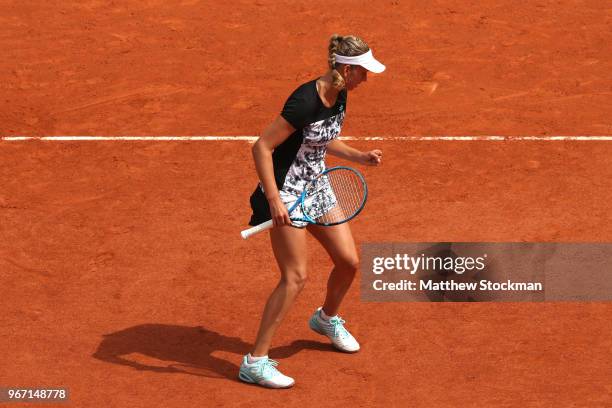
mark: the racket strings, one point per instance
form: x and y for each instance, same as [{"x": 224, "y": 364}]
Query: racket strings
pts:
[{"x": 338, "y": 195}]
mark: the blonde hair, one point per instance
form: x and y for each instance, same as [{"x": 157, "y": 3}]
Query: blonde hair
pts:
[{"x": 347, "y": 45}]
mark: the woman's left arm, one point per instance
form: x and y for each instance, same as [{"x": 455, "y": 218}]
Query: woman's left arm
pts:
[{"x": 340, "y": 149}]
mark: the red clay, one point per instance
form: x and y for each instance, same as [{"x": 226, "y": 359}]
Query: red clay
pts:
[
  {"x": 125, "y": 278},
  {"x": 162, "y": 68},
  {"x": 123, "y": 274}
]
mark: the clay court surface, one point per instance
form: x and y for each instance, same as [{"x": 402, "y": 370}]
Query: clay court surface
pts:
[{"x": 123, "y": 274}]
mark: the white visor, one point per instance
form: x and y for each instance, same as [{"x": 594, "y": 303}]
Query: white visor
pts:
[{"x": 366, "y": 60}]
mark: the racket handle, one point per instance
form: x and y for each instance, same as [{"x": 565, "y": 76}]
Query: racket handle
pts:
[{"x": 257, "y": 229}]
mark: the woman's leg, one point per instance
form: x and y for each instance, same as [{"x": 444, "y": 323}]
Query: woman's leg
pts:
[
  {"x": 289, "y": 247},
  {"x": 339, "y": 244}
]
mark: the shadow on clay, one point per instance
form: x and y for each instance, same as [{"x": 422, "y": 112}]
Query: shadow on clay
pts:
[{"x": 166, "y": 348}]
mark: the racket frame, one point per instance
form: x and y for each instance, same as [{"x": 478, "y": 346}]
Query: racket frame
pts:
[{"x": 300, "y": 202}]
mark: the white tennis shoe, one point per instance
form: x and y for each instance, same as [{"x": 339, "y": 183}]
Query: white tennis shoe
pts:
[
  {"x": 334, "y": 329},
  {"x": 264, "y": 372}
]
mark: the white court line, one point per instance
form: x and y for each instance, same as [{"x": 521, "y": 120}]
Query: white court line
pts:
[{"x": 253, "y": 138}]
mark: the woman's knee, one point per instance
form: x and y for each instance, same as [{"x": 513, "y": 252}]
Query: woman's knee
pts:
[
  {"x": 295, "y": 279},
  {"x": 348, "y": 263}
]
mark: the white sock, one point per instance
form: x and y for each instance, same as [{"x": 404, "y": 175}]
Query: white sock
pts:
[
  {"x": 324, "y": 316},
  {"x": 251, "y": 359}
]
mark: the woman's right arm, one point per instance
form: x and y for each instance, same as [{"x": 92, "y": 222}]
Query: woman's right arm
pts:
[{"x": 262, "y": 150}]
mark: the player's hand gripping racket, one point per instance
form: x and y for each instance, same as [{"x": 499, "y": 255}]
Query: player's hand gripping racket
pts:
[{"x": 335, "y": 196}]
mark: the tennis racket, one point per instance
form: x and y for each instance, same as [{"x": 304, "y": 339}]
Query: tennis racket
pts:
[{"x": 335, "y": 196}]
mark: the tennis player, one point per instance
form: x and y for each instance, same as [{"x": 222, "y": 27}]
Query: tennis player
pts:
[{"x": 289, "y": 153}]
